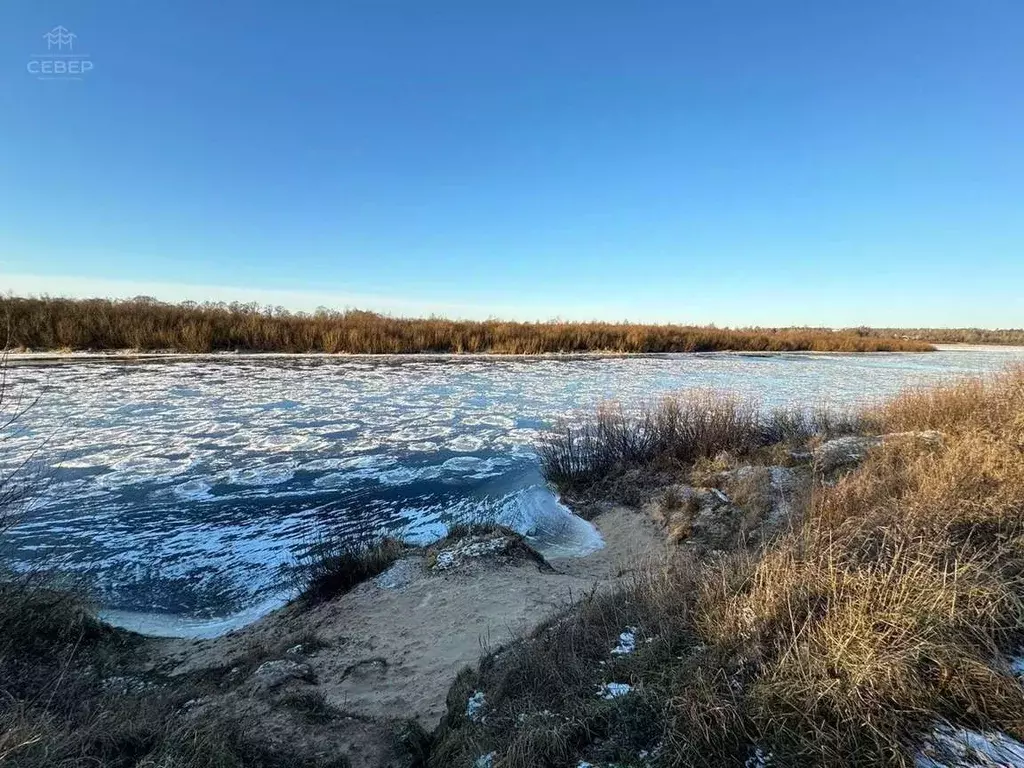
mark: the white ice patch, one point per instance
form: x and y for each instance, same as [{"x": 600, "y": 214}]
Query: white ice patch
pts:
[
  {"x": 462, "y": 464},
  {"x": 609, "y": 691},
  {"x": 627, "y": 642},
  {"x": 475, "y": 707},
  {"x": 485, "y": 761},
  {"x": 466, "y": 444},
  {"x": 193, "y": 490},
  {"x": 273, "y": 474},
  {"x": 422, "y": 446},
  {"x": 950, "y": 747},
  {"x": 399, "y": 476},
  {"x": 759, "y": 759},
  {"x": 332, "y": 480}
]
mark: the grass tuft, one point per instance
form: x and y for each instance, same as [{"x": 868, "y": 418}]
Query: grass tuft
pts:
[{"x": 332, "y": 569}]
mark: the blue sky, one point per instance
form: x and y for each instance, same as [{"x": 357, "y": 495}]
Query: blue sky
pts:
[{"x": 736, "y": 162}]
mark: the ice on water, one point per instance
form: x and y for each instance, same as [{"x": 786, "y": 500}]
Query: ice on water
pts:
[{"x": 188, "y": 488}]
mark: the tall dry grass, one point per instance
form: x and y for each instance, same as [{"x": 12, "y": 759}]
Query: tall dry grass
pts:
[
  {"x": 145, "y": 324},
  {"x": 895, "y": 605},
  {"x": 676, "y": 430},
  {"x": 1010, "y": 336}
]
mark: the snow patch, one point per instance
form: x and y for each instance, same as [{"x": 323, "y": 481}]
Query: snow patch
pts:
[
  {"x": 475, "y": 707},
  {"x": 627, "y": 642},
  {"x": 609, "y": 691},
  {"x": 759, "y": 759}
]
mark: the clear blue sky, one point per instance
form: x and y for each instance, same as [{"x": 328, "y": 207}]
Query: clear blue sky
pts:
[{"x": 736, "y": 162}]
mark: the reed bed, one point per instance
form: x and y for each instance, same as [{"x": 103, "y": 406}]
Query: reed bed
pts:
[{"x": 145, "y": 324}]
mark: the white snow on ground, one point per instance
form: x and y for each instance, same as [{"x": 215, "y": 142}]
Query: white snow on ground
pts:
[
  {"x": 759, "y": 759},
  {"x": 485, "y": 761},
  {"x": 475, "y": 707},
  {"x": 609, "y": 691},
  {"x": 627, "y": 642},
  {"x": 950, "y": 747}
]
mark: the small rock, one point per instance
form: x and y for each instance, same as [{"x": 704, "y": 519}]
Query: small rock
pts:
[
  {"x": 470, "y": 548},
  {"x": 949, "y": 747},
  {"x": 842, "y": 452},
  {"x": 399, "y": 575}
]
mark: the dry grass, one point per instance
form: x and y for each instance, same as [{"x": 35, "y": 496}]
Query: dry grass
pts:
[
  {"x": 952, "y": 335},
  {"x": 331, "y": 569},
  {"x": 56, "y": 711},
  {"x": 145, "y": 324},
  {"x": 693, "y": 429},
  {"x": 893, "y": 606}
]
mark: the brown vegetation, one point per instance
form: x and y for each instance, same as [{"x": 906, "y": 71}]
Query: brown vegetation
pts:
[
  {"x": 145, "y": 324},
  {"x": 331, "y": 569},
  {"x": 1009, "y": 336},
  {"x": 892, "y": 606},
  {"x": 676, "y": 431}
]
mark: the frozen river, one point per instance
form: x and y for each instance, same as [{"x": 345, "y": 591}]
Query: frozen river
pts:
[{"x": 183, "y": 490}]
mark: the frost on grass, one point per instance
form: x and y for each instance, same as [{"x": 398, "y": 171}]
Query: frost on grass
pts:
[
  {"x": 484, "y": 761},
  {"x": 475, "y": 707},
  {"x": 627, "y": 642},
  {"x": 610, "y": 691},
  {"x": 950, "y": 747}
]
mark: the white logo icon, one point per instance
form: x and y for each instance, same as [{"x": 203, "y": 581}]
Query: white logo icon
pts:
[{"x": 59, "y": 38}]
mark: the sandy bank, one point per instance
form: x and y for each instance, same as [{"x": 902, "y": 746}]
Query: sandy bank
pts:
[{"x": 390, "y": 649}]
